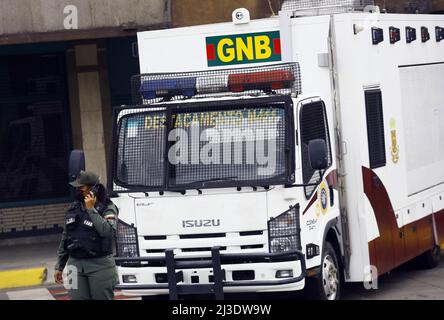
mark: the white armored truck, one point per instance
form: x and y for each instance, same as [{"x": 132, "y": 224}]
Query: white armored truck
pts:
[{"x": 304, "y": 150}]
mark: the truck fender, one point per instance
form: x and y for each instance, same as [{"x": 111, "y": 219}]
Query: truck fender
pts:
[{"x": 332, "y": 224}]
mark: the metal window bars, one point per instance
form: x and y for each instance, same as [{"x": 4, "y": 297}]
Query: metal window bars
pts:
[
  {"x": 281, "y": 78},
  {"x": 320, "y": 7},
  {"x": 286, "y": 227},
  {"x": 167, "y": 147},
  {"x": 126, "y": 240}
]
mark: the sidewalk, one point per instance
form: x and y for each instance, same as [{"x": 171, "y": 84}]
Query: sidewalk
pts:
[
  {"x": 35, "y": 262},
  {"x": 52, "y": 292},
  {"x": 28, "y": 264}
]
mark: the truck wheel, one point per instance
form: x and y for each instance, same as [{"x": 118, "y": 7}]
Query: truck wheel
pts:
[
  {"x": 429, "y": 259},
  {"x": 326, "y": 285}
]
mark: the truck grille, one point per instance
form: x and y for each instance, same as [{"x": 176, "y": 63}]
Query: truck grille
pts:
[{"x": 199, "y": 245}]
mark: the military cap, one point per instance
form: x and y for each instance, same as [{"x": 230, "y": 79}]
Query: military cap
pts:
[{"x": 85, "y": 178}]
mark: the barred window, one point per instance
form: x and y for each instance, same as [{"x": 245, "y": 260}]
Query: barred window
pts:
[
  {"x": 140, "y": 153},
  {"x": 375, "y": 128},
  {"x": 204, "y": 145},
  {"x": 314, "y": 125}
]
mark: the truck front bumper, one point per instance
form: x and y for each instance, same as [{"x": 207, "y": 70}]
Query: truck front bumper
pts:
[{"x": 224, "y": 273}]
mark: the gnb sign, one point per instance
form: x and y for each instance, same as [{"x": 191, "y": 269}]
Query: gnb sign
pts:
[{"x": 243, "y": 48}]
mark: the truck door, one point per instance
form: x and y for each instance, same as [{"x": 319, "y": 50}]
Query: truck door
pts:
[{"x": 313, "y": 124}]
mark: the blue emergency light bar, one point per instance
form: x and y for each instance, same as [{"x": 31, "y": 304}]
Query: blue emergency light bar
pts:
[{"x": 151, "y": 89}]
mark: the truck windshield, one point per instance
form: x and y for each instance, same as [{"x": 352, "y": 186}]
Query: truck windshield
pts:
[{"x": 206, "y": 144}]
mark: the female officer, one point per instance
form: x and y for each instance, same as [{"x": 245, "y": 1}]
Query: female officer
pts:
[{"x": 86, "y": 245}]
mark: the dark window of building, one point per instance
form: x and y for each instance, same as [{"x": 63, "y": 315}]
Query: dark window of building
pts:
[
  {"x": 123, "y": 63},
  {"x": 55, "y": 144},
  {"x": 375, "y": 128},
  {"x": 34, "y": 128},
  {"x": 314, "y": 125}
]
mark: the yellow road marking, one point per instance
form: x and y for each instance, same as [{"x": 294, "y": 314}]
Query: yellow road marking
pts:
[{"x": 22, "y": 277}]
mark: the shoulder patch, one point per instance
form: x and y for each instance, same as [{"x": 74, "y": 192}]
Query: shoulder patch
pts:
[
  {"x": 73, "y": 205},
  {"x": 111, "y": 209}
]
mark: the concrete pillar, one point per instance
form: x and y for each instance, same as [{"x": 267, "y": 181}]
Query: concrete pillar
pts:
[{"x": 87, "y": 117}]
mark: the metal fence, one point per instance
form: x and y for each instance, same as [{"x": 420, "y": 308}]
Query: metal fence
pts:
[
  {"x": 319, "y": 7},
  {"x": 227, "y": 142},
  {"x": 281, "y": 78}
]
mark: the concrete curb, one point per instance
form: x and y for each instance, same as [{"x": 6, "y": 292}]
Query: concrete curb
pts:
[{"x": 16, "y": 278}]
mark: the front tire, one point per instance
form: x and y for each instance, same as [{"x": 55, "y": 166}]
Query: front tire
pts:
[{"x": 326, "y": 285}]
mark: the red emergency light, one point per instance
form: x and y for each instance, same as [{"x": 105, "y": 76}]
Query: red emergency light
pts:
[{"x": 263, "y": 80}]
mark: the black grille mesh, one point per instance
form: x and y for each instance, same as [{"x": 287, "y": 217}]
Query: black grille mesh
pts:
[
  {"x": 141, "y": 149},
  {"x": 314, "y": 125},
  {"x": 318, "y": 7},
  {"x": 279, "y": 78},
  {"x": 126, "y": 240},
  {"x": 286, "y": 225},
  {"x": 170, "y": 148},
  {"x": 375, "y": 128},
  {"x": 230, "y": 163}
]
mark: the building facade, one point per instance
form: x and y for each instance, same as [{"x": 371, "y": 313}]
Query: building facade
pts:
[{"x": 63, "y": 65}]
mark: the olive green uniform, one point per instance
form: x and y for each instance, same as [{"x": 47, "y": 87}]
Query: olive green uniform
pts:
[{"x": 96, "y": 277}]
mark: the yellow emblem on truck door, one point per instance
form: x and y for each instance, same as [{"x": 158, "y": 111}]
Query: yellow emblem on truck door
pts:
[
  {"x": 394, "y": 148},
  {"x": 323, "y": 197}
]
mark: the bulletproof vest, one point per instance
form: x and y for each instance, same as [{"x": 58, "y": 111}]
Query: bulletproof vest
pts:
[{"x": 82, "y": 239}]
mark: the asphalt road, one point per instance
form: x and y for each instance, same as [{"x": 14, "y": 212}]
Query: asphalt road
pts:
[{"x": 406, "y": 282}]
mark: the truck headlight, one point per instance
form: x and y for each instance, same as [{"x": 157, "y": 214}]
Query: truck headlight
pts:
[
  {"x": 126, "y": 240},
  {"x": 284, "y": 231}
]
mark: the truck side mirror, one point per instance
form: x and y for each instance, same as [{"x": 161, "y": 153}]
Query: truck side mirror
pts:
[
  {"x": 317, "y": 153},
  {"x": 76, "y": 164}
]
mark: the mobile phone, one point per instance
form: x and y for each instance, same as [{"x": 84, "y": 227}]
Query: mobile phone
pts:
[{"x": 94, "y": 190}]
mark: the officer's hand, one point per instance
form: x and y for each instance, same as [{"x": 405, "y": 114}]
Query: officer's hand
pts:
[
  {"x": 58, "y": 277},
  {"x": 90, "y": 201}
]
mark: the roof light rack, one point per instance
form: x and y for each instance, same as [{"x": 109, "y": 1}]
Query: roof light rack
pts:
[
  {"x": 281, "y": 78},
  {"x": 322, "y": 7}
]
